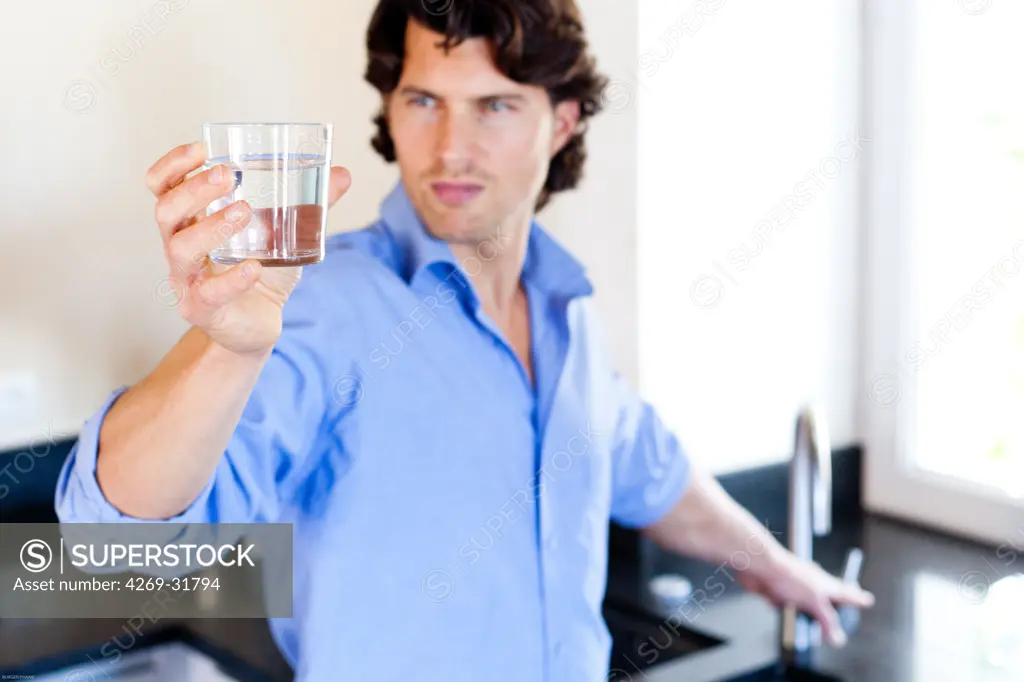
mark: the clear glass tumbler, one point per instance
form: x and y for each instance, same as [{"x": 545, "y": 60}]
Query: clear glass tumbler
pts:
[{"x": 282, "y": 170}]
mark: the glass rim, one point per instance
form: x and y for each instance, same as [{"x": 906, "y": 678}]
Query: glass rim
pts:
[{"x": 280, "y": 124}]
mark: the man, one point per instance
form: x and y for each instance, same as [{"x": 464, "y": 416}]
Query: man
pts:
[{"x": 432, "y": 408}]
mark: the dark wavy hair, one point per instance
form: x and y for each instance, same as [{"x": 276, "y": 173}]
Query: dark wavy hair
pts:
[{"x": 535, "y": 42}]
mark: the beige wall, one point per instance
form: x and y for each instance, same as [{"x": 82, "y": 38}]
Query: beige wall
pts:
[{"x": 105, "y": 87}]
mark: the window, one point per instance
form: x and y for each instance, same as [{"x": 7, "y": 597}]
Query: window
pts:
[{"x": 945, "y": 351}]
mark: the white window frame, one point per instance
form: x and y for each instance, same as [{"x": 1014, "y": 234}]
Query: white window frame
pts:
[{"x": 893, "y": 485}]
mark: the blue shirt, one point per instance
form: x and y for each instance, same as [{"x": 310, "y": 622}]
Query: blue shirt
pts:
[{"x": 450, "y": 516}]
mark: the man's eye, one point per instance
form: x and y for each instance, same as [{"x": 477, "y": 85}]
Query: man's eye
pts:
[
  {"x": 496, "y": 106},
  {"x": 423, "y": 101}
]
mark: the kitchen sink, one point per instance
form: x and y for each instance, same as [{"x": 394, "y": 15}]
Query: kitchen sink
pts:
[
  {"x": 773, "y": 673},
  {"x": 641, "y": 640}
]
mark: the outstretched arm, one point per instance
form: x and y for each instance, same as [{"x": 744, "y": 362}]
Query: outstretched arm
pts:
[{"x": 708, "y": 524}]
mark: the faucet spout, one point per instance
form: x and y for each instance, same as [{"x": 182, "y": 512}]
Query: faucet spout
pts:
[
  {"x": 813, "y": 452},
  {"x": 810, "y": 515}
]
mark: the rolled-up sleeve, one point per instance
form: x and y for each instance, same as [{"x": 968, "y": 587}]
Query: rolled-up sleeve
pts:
[
  {"x": 275, "y": 441},
  {"x": 650, "y": 468},
  {"x": 78, "y": 497}
]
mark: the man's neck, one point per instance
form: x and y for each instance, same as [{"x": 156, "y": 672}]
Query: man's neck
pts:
[{"x": 496, "y": 265}]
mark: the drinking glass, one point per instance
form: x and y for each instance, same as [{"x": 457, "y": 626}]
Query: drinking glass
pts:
[{"x": 282, "y": 170}]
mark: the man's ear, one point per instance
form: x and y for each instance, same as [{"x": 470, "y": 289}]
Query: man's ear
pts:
[{"x": 567, "y": 118}]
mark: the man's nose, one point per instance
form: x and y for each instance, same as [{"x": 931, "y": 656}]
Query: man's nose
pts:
[{"x": 456, "y": 137}]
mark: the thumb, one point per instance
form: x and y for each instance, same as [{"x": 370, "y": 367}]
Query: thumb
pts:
[
  {"x": 339, "y": 183},
  {"x": 852, "y": 594}
]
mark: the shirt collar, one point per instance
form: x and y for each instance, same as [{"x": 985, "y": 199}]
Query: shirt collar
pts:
[
  {"x": 417, "y": 248},
  {"x": 548, "y": 266}
]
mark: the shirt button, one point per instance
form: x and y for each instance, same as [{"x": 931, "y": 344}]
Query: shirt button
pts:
[{"x": 558, "y": 649}]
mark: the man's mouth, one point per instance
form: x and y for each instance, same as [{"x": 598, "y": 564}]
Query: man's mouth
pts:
[{"x": 456, "y": 193}]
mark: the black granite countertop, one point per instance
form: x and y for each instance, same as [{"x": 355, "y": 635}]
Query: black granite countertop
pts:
[
  {"x": 939, "y": 617},
  {"x": 947, "y": 610}
]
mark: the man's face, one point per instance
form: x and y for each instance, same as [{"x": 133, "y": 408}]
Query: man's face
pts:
[{"x": 473, "y": 146}]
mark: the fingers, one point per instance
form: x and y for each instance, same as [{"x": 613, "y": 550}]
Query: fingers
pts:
[
  {"x": 172, "y": 167},
  {"x": 340, "y": 181},
  {"x": 826, "y": 614},
  {"x": 218, "y": 290},
  {"x": 844, "y": 593},
  {"x": 853, "y": 595},
  {"x": 838, "y": 593},
  {"x": 176, "y": 207},
  {"x": 187, "y": 250}
]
